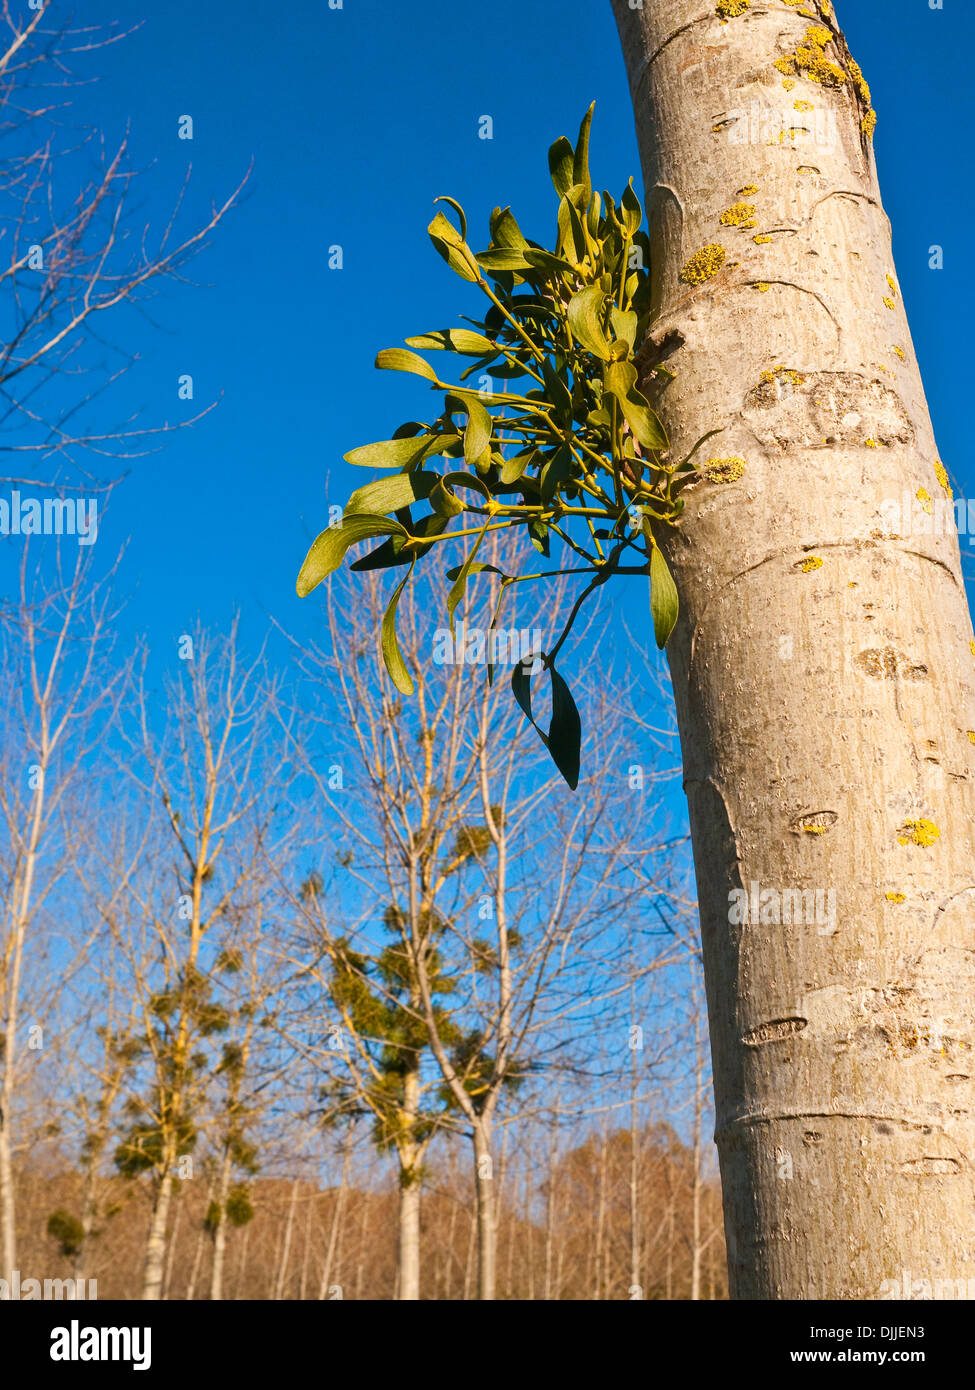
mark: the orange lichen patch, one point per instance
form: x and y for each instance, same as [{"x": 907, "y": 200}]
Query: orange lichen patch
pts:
[
  {"x": 889, "y": 302},
  {"x": 738, "y": 215},
  {"x": 731, "y": 9},
  {"x": 894, "y": 897},
  {"x": 782, "y": 373},
  {"x": 871, "y": 444},
  {"x": 971, "y": 735},
  {"x": 919, "y": 832},
  {"x": 763, "y": 287},
  {"x": 893, "y": 285},
  {"x": 724, "y": 470},
  {"x": 703, "y": 265},
  {"x": 748, "y": 191},
  {"x": 761, "y": 240},
  {"x": 972, "y": 647},
  {"x": 869, "y": 124},
  {"x": 941, "y": 473},
  {"x": 899, "y": 352},
  {"x": 812, "y": 562},
  {"x": 804, "y": 106},
  {"x": 924, "y": 497},
  {"x": 810, "y": 61},
  {"x": 788, "y": 84}
]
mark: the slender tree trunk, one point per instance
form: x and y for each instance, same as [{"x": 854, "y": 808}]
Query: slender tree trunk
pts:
[
  {"x": 279, "y": 1283},
  {"x": 487, "y": 1229},
  {"x": 201, "y": 1236},
  {"x": 220, "y": 1231},
  {"x": 822, "y": 667},
  {"x": 337, "y": 1218},
  {"x": 156, "y": 1243},
  {"x": 8, "y": 1215}
]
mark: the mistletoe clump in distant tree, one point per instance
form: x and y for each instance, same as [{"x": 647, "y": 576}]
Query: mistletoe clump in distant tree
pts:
[{"x": 579, "y": 455}]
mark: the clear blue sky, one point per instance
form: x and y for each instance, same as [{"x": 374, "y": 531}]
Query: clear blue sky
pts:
[{"x": 356, "y": 118}]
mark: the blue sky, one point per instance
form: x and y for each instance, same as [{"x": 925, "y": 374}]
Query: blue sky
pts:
[{"x": 355, "y": 119}]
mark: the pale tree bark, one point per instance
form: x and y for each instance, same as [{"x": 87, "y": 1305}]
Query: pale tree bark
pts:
[
  {"x": 156, "y": 1243},
  {"x": 822, "y": 665}
]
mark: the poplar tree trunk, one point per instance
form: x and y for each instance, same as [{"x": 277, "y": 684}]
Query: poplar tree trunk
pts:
[
  {"x": 156, "y": 1243},
  {"x": 822, "y": 667},
  {"x": 487, "y": 1226}
]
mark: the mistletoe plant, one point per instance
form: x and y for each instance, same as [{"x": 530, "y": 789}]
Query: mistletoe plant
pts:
[{"x": 579, "y": 454}]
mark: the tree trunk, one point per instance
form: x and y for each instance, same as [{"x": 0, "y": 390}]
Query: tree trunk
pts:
[
  {"x": 409, "y": 1239},
  {"x": 284, "y": 1262},
  {"x": 487, "y": 1230},
  {"x": 220, "y": 1230},
  {"x": 156, "y": 1243},
  {"x": 822, "y": 667}
]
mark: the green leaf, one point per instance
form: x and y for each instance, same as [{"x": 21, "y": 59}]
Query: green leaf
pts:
[
  {"x": 580, "y": 163},
  {"x": 443, "y": 198},
  {"x": 623, "y": 325},
  {"x": 328, "y": 549},
  {"x": 460, "y": 583},
  {"x": 476, "y": 568},
  {"x": 442, "y": 500},
  {"x": 477, "y": 435},
  {"x": 460, "y": 340},
  {"x": 505, "y": 231},
  {"x": 561, "y": 159},
  {"x": 555, "y": 472},
  {"x": 571, "y": 236},
  {"x": 392, "y": 656},
  {"x": 399, "y": 360},
  {"x": 585, "y": 319},
  {"x": 559, "y": 395},
  {"x": 513, "y": 468},
  {"x": 618, "y": 380},
  {"x": 544, "y": 260},
  {"x": 564, "y": 737},
  {"x": 643, "y": 422},
  {"x": 664, "y": 605},
  {"x": 451, "y": 245},
  {"x": 398, "y": 453},
  {"x": 388, "y": 494},
  {"x": 565, "y": 731},
  {"x": 503, "y": 258},
  {"x": 631, "y": 210}
]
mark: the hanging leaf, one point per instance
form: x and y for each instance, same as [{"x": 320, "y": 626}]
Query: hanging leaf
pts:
[
  {"x": 555, "y": 472},
  {"x": 328, "y": 549},
  {"x": 452, "y": 247},
  {"x": 399, "y": 360},
  {"x": 565, "y": 731},
  {"x": 460, "y": 583},
  {"x": 564, "y": 737},
  {"x": 392, "y": 656},
  {"x": 393, "y": 453},
  {"x": 389, "y": 494},
  {"x": 454, "y": 340},
  {"x": 477, "y": 435},
  {"x": 585, "y": 319},
  {"x": 503, "y": 258},
  {"x": 663, "y": 595}
]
